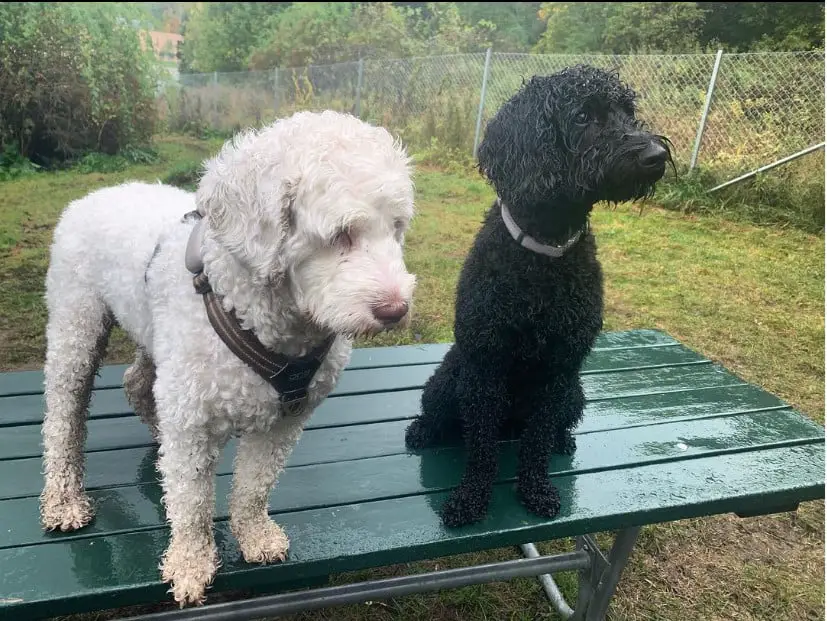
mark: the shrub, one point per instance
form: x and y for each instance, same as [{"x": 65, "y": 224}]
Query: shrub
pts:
[{"x": 73, "y": 80}]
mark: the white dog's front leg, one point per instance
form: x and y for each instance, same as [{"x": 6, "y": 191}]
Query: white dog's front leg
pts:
[
  {"x": 187, "y": 462},
  {"x": 260, "y": 459}
]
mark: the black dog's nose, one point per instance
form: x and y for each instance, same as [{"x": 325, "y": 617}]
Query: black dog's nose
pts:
[{"x": 653, "y": 155}]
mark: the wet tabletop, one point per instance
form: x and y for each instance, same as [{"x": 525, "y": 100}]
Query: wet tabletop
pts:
[{"x": 666, "y": 435}]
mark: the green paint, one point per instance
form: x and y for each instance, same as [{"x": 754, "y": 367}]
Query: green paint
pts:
[{"x": 666, "y": 435}]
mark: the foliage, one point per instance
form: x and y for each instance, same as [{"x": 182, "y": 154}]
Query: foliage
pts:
[
  {"x": 653, "y": 26},
  {"x": 58, "y": 98},
  {"x": 14, "y": 165},
  {"x": 219, "y": 36},
  {"x": 764, "y": 26},
  {"x": 517, "y": 24},
  {"x": 168, "y": 16},
  {"x": 440, "y": 29},
  {"x": 104, "y": 163},
  {"x": 235, "y": 36},
  {"x": 790, "y": 195},
  {"x": 329, "y": 32},
  {"x": 185, "y": 175},
  {"x": 624, "y": 27}
]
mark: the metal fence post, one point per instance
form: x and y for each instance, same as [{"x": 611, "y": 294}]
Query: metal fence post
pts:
[
  {"x": 358, "y": 107},
  {"x": 215, "y": 98},
  {"x": 699, "y": 136},
  {"x": 485, "y": 71},
  {"x": 276, "y": 91}
]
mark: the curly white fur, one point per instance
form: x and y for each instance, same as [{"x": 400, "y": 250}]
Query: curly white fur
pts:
[{"x": 305, "y": 228}]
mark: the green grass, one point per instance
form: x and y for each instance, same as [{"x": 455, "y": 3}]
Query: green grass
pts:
[
  {"x": 29, "y": 207},
  {"x": 749, "y": 297},
  {"x": 789, "y": 195}
]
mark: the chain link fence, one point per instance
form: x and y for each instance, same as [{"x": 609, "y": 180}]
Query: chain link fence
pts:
[{"x": 764, "y": 106}]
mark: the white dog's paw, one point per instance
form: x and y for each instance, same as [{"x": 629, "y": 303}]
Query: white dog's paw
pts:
[
  {"x": 189, "y": 568},
  {"x": 263, "y": 542},
  {"x": 57, "y": 512}
]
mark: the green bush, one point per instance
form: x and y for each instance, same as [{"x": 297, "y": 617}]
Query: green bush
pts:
[
  {"x": 185, "y": 175},
  {"x": 789, "y": 195},
  {"x": 14, "y": 165},
  {"x": 73, "y": 80}
]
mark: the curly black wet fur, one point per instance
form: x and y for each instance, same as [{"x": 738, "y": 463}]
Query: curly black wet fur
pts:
[{"x": 525, "y": 321}]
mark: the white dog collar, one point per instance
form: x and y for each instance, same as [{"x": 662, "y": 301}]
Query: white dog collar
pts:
[{"x": 526, "y": 241}]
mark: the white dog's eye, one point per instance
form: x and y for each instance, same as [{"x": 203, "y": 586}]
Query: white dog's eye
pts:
[
  {"x": 398, "y": 224},
  {"x": 343, "y": 240}
]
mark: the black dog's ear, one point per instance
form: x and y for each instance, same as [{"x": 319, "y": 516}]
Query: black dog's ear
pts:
[{"x": 519, "y": 153}]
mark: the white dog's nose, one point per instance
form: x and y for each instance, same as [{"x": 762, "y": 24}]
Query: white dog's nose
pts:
[{"x": 390, "y": 312}]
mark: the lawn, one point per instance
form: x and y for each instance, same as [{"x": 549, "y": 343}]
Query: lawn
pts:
[{"x": 751, "y": 298}]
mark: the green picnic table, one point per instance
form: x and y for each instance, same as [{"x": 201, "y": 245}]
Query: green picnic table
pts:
[{"x": 667, "y": 435}]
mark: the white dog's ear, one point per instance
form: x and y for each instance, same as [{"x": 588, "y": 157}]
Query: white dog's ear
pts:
[{"x": 249, "y": 212}]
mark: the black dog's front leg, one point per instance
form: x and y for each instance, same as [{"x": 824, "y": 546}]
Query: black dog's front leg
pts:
[
  {"x": 555, "y": 412},
  {"x": 484, "y": 404}
]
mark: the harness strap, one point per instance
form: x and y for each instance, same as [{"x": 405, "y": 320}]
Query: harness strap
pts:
[{"x": 289, "y": 376}]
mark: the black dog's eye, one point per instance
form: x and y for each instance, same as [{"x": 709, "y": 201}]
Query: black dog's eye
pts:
[
  {"x": 343, "y": 240},
  {"x": 582, "y": 118}
]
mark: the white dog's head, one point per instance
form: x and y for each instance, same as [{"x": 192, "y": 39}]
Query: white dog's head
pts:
[{"x": 318, "y": 204}]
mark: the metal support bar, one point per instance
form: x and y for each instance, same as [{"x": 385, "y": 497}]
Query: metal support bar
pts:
[
  {"x": 594, "y": 548},
  {"x": 485, "y": 71},
  {"x": 789, "y": 158},
  {"x": 587, "y": 579},
  {"x": 549, "y": 585},
  {"x": 597, "y": 586},
  {"x": 707, "y": 103},
  {"x": 289, "y": 603}
]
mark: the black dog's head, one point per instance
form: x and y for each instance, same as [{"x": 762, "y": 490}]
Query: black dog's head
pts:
[{"x": 571, "y": 138}]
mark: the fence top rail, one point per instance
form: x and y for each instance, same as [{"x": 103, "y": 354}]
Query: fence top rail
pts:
[{"x": 526, "y": 55}]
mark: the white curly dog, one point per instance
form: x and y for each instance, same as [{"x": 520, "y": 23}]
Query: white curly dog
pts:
[{"x": 304, "y": 224}]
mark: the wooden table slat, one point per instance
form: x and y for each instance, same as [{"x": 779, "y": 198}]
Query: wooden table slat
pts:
[
  {"x": 111, "y": 402},
  {"x": 129, "y": 432},
  {"x": 320, "y": 479},
  {"x": 31, "y": 382},
  {"x": 78, "y": 575}
]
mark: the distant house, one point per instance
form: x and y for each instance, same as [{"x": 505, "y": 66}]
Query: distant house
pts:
[{"x": 165, "y": 45}]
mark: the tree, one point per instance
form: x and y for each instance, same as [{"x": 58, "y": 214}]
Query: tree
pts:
[
  {"x": 627, "y": 27},
  {"x": 653, "y": 27},
  {"x": 221, "y": 35},
  {"x": 331, "y": 32},
  {"x": 574, "y": 26},
  {"x": 517, "y": 24},
  {"x": 439, "y": 28},
  {"x": 774, "y": 26}
]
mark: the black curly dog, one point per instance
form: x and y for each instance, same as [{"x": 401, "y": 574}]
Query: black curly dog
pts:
[{"x": 530, "y": 300}]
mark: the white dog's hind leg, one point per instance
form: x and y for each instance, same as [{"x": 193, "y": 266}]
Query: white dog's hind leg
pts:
[
  {"x": 77, "y": 333},
  {"x": 138, "y": 381},
  {"x": 187, "y": 462},
  {"x": 260, "y": 459}
]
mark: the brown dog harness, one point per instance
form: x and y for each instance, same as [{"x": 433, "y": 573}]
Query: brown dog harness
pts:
[{"x": 289, "y": 376}]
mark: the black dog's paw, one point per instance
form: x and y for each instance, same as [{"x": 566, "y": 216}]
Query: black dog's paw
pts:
[
  {"x": 463, "y": 507},
  {"x": 541, "y": 498},
  {"x": 418, "y": 436},
  {"x": 565, "y": 445}
]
